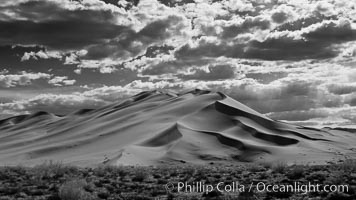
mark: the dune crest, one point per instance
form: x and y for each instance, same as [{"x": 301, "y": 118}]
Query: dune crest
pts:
[{"x": 155, "y": 127}]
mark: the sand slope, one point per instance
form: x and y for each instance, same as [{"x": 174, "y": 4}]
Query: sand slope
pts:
[{"x": 155, "y": 128}]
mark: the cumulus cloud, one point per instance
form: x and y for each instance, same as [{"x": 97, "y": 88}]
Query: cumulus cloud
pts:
[
  {"x": 66, "y": 103},
  {"x": 341, "y": 89},
  {"x": 22, "y": 79},
  {"x": 61, "y": 81},
  {"x": 315, "y": 41},
  {"x": 212, "y": 72},
  {"x": 283, "y": 13},
  {"x": 129, "y": 43},
  {"x": 292, "y": 60},
  {"x": 4, "y": 71},
  {"x": 40, "y": 55}
]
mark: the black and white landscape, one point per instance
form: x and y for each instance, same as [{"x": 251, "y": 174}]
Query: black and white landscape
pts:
[{"x": 261, "y": 85}]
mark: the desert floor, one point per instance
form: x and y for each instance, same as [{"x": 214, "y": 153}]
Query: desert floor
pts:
[{"x": 55, "y": 181}]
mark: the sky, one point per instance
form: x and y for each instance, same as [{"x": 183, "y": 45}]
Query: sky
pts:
[{"x": 293, "y": 61}]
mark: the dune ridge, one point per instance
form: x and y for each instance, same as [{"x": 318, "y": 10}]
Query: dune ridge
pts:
[{"x": 156, "y": 127}]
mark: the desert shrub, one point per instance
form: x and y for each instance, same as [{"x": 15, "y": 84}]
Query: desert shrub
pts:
[
  {"x": 279, "y": 167},
  {"x": 296, "y": 172},
  {"x": 255, "y": 167},
  {"x": 19, "y": 169},
  {"x": 162, "y": 181},
  {"x": 348, "y": 165},
  {"x": 263, "y": 175},
  {"x": 140, "y": 174},
  {"x": 337, "y": 177},
  {"x": 100, "y": 170},
  {"x": 317, "y": 176},
  {"x": 111, "y": 170},
  {"x": 338, "y": 196},
  {"x": 120, "y": 170},
  {"x": 74, "y": 190},
  {"x": 267, "y": 165},
  {"x": 5, "y": 171},
  {"x": 213, "y": 194},
  {"x": 49, "y": 169},
  {"x": 189, "y": 171},
  {"x": 135, "y": 196},
  {"x": 247, "y": 195}
]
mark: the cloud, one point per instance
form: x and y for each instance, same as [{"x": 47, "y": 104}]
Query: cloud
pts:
[
  {"x": 341, "y": 89},
  {"x": 248, "y": 24},
  {"x": 61, "y": 81},
  {"x": 67, "y": 103},
  {"x": 73, "y": 58},
  {"x": 22, "y": 79},
  {"x": 213, "y": 72},
  {"x": 239, "y": 5},
  {"x": 58, "y": 104},
  {"x": 126, "y": 4},
  {"x": 60, "y": 24},
  {"x": 4, "y": 71},
  {"x": 160, "y": 67},
  {"x": 315, "y": 41},
  {"x": 292, "y": 60},
  {"x": 40, "y": 55},
  {"x": 299, "y": 115},
  {"x": 129, "y": 43},
  {"x": 174, "y": 3}
]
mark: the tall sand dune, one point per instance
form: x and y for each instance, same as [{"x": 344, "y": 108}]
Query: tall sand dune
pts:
[{"x": 155, "y": 127}]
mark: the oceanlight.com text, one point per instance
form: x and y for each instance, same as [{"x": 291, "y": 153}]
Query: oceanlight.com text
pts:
[{"x": 236, "y": 187}]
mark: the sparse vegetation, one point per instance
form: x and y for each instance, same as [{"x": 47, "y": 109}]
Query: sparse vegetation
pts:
[
  {"x": 74, "y": 190},
  {"x": 348, "y": 165},
  {"x": 296, "y": 172},
  {"x": 56, "y": 181},
  {"x": 279, "y": 167},
  {"x": 50, "y": 169}
]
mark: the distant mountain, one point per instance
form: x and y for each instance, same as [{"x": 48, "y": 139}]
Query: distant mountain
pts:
[{"x": 156, "y": 127}]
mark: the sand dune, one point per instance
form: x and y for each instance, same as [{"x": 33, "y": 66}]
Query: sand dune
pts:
[{"x": 155, "y": 128}]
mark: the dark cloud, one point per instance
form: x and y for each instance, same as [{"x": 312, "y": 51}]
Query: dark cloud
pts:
[
  {"x": 288, "y": 48},
  {"x": 73, "y": 34},
  {"x": 174, "y": 3},
  {"x": 155, "y": 32},
  {"x": 332, "y": 32},
  {"x": 279, "y": 17},
  {"x": 315, "y": 42},
  {"x": 46, "y": 23},
  {"x": 302, "y": 22},
  {"x": 246, "y": 26},
  {"x": 340, "y": 89},
  {"x": 153, "y": 51}
]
